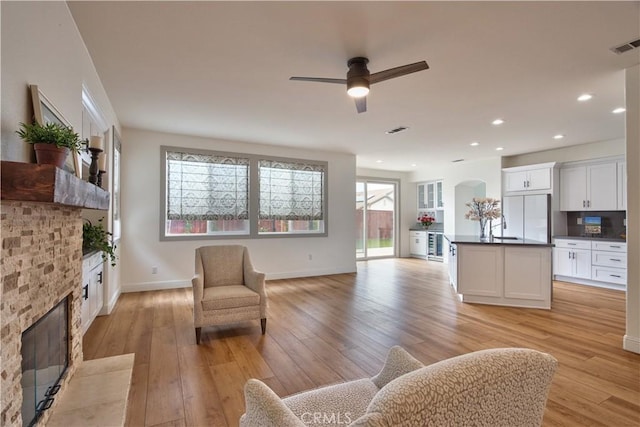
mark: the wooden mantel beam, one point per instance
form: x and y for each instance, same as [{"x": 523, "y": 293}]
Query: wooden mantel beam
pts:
[{"x": 30, "y": 182}]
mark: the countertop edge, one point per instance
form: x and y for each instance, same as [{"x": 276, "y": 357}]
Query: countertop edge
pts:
[{"x": 475, "y": 240}]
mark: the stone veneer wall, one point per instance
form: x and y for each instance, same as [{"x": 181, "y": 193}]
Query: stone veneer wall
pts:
[{"x": 41, "y": 264}]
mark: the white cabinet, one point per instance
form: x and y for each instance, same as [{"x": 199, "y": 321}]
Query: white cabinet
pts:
[
  {"x": 480, "y": 271},
  {"x": 430, "y": 196},
  {"x": 532, "y": 264},
  {"x": 572, "y": 262},
  {"x": 509, "y": 275},
  {"x": 92, "y": 288},
  {"x": 609, "y": 262},
  {"x": 418, "y": 244},
  {"x": 536, "y": 179},
  {"x": 591, "y": 262},
  {"x": 592, "y": 187},
  {"x": 453, "y": 266},
  {"x": 622, "y": 185}
]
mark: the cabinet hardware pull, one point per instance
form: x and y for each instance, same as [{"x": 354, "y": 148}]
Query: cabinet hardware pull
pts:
[
  {"x": 571, "y": 244},
  {"x": 588, "y": 203},
  {"x": 85, "y": 292},
  {"x": 614, "y": 275},
  {"x": 584, "y": 204},
  {"x": 612, "y": 246},
  {"x": 100, "y": 279},
  {"x": 614, "y": 259}
]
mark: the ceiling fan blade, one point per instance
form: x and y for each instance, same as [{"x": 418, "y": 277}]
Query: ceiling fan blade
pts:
[
  {"x": 319, "y": 80},
  {"x": 361, "y": 104},
  {"x": 392, "y": 73}
]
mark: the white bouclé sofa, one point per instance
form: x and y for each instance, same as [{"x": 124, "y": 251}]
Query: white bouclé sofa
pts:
[{"x": 496, "y": 387}]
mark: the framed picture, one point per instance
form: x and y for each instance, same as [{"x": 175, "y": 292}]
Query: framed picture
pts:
[
  {"x": 117, "y": 151},
  {"x": 45, "y": 112}
]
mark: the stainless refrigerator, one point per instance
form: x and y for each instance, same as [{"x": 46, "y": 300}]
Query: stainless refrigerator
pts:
[{"x": 527, "y": 217}]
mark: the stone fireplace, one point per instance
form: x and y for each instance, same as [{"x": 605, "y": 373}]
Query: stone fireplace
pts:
[{"x": 41, "y": 264}]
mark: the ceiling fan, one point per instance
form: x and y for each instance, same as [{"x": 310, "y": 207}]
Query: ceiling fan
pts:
[{"x": 358, "y": 78}]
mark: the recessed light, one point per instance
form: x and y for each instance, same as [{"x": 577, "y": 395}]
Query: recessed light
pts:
[
  {"x": 474, "y": 144},
  {"x": 499, "y": 148},
  {"x": 585, "y": 97},
  {"x": 619, "y": 110},
  {"x": 497, "y": 122},
  {"x": 378, "y": 161},
  {"x": 413, "y": 165},
  {"x": 558, "y": 136}
]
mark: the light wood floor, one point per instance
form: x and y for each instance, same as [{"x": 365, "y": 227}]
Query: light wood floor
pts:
[{"x": 327, "y": 329}]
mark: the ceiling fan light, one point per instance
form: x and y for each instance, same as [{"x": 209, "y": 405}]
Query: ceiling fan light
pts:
[{"x": 358, "y": 87}]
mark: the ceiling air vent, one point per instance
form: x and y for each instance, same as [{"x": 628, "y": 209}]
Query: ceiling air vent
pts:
[
  {"x": 626, "y": 46},
  {"x": 396, "y": 130}
]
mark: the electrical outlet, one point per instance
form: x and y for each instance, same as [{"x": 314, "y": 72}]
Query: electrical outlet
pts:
[
  {"x": 154, "y": 270},
  {"x": 579, "y": 221}
]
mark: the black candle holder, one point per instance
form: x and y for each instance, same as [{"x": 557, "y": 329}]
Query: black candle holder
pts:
[
  {"x": 93, "y": 168},
  {"x": 100, "y": 173}
]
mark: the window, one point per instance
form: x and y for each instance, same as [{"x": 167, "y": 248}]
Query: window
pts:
[
  {"x": 228, "y": 195},
  {"x": 206, "y": 194},
  {"x": 291, "y": 197}
]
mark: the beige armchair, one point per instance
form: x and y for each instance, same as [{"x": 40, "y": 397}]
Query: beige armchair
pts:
[
  {"x": 497, "y": 387},
  {"x": 226, "y": 288}
]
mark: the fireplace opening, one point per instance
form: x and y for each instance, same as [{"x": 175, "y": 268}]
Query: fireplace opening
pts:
[{"x": 45, "y": 359}]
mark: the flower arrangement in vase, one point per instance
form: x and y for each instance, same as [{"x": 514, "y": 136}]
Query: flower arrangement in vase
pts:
[
  {"x": 426, "y": 220},
  {"x": 483, "y": 209}
]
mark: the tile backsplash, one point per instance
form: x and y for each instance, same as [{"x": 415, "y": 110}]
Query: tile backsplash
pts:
[{"x": 612, "y": 224}]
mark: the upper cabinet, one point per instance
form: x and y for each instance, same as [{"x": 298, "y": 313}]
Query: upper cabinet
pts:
[
  {"x": 430, "y": 196},
  {"x": 534, "y": 178},
  {"x": 622, "y": 185},
  {"x": 589, "y": 187}
]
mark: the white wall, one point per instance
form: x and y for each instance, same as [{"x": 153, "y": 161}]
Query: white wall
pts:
[
  {"x": 277, "y": 257},
  {"x": 41, "y": 45},
  {"x": 632, "y": 335},
  {"x": 407, "y": 203},
  {"x": 487, "y": 170}
]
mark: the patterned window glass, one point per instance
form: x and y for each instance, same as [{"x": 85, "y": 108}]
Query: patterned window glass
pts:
[
  {"x": 291, "y": 190},
  {"x": 206, "y": 187}
]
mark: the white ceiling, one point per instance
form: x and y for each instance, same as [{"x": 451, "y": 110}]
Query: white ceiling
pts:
[{"x": 221, "y": 70}]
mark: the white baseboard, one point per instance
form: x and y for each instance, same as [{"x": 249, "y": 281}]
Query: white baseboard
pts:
[
  {"x": 114, "y": 300},
  {"x": 630, "y": 343},
  {"x": 308, "y": 273},
  {"x": 175, "y": 284},
  {"x": 587, "y": 282},
  {"x": 155, "y": 286}
]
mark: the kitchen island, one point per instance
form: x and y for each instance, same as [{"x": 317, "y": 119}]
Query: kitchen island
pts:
[{"x": 509, "y": 272}]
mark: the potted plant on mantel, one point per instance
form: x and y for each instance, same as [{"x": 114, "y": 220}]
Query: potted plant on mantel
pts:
[
  {"x": 52, "y": 142},
  {"x": 96, "y": 238}
]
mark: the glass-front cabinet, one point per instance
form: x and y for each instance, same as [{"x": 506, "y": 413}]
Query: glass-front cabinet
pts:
[{"x": 430, "y": 195}]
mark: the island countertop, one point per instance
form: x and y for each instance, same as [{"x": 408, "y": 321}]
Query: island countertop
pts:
[{"x": 475, "y": 240}]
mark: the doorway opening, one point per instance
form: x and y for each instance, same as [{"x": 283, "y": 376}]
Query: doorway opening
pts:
[{"x": 376, "y": 213}]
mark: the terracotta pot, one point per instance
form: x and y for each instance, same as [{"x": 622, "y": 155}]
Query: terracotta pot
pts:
[{"x": 49, "y": 154}]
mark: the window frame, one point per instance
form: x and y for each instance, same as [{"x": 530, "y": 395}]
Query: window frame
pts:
[{"x": 254, "y": 197}]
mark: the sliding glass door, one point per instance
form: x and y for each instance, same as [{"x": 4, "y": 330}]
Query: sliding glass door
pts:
[{"x": 376, "y": 206}]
